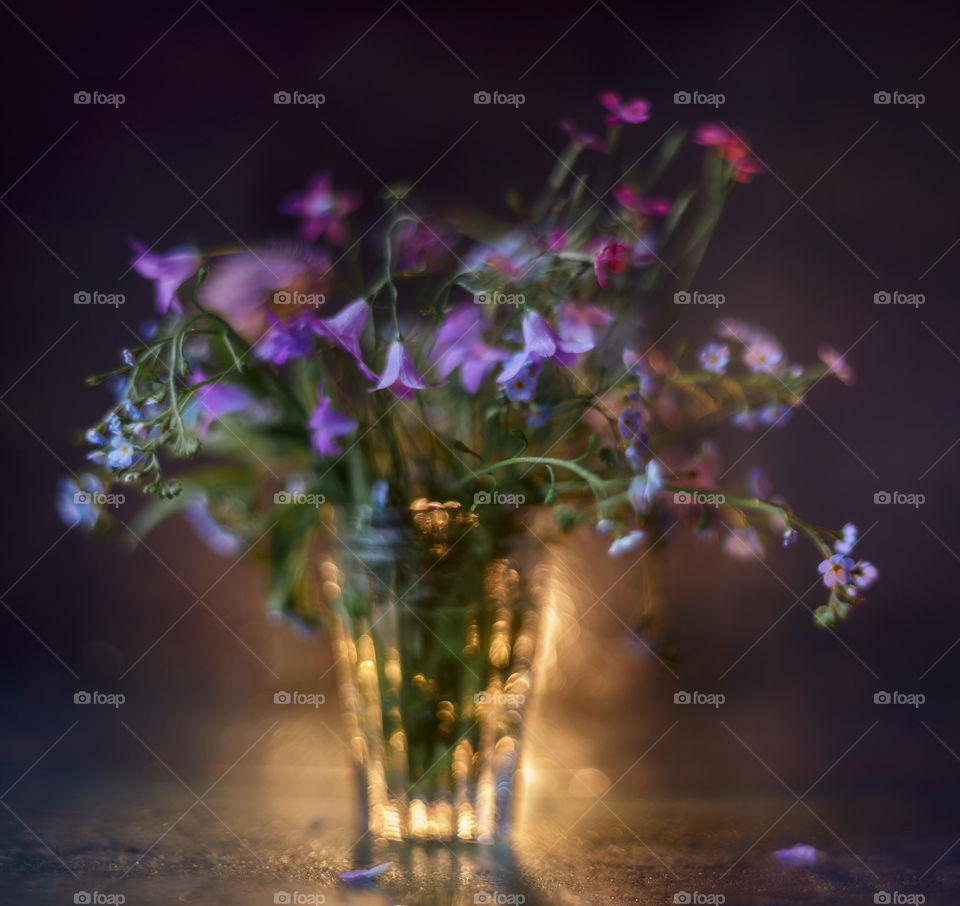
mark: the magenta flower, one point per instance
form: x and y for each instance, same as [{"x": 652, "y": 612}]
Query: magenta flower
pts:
[
  {"x": 168, "y": 271},
  {"x": 583, "y": 139},
  {"x": 459, "y": 345},
  {"x": 326, "y": 425},
  {"x": 540, "y": 342},
  {"x": 632, "y": 200},
  {"x": 346, "y": 328},
  {"x": 576, "y": 322},
  {"x": 611, "y": 259},
  {"x": 732, "y": 146},
  {"x": 636, "y": 110},
  {"x": 321, "y": 209},
  {"x": 400, "y": 374},
  {"x": 711, "y": 134}
]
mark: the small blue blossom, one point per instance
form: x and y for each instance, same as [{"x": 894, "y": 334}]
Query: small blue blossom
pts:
[
  {"x": 790, "y": 536},
  {"x": 521, "y": 387},
  {"x": 128, "y": 358},
  {"x": 715, "y": 357},
  {"x": 605, "y": 526},
  {"x": 121, "y": 453},
  {"x": 538, "y": 416},
  {"x": 863, "y": 574},
  {"x": 845, "y": 544},
  {"x": 645, "y": 487},
  {"x": 627, "y": 543},
  {"x": 76, "y": 504},
  {"x": 95, "y": 438},
  {"x": 836, "y": 570},
  {"x": 113, "y": 424}
]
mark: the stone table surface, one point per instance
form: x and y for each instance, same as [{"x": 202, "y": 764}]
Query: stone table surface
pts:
[{"x": 266, "y": 837}]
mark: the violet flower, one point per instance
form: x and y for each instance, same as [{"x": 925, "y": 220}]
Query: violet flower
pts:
[
  {"x": 326, "y": 425},
  {"x": 345, "y": 328},
  {"x": 635, "y": 110},
  {"x": 321, "y": 209},
  {"x": 400, "y": 374},
  {"x": 459, "y": 345},
  {"x": 576, "y": 322},
  {"x": 167, "y": 270},
  {"x": 217, "y": 399},
  {"x": 285, "y": 340},
  {"x": 541, "y": 342}
]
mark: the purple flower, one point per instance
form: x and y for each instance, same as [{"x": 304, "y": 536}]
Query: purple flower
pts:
[
  {"x": 419, "y": 245},
  {"x": 285, "y": 340},
  {"x": 763, "y": 354},
  {"x": 168, "y": 271},
  {"x": 346, "y": 328},
  {"x": 636, "y": 110},
  {"x": 576, "y": 322},
  {"x": 459, "y": 345},
  {"x": 715, "y": 357},
  {"x": 217, "y": 399},
  {"x": 644, "y": 488},
  {"x": 836, "y": 570},
  {"x": 541, "y": 342},
  {"x": 631, "y": 426},
  {"x": 845, "y": 544},
  {"x": 837, "y": 363},
  {"x": 326, "y": 425},
  {"x": 399, "y": 374},
  {"x": 321, "y": 209},
  {"x": 799, "y": 855}
]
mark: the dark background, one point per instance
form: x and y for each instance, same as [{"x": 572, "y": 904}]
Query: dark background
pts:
[{"x": 859, "y": 198}]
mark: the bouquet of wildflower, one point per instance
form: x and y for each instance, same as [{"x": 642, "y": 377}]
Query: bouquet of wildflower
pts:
[{"x": 423, "y": 354}]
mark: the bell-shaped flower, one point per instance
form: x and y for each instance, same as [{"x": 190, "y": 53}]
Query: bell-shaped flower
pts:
[
  {"x": 399, "y": 374},
  {"x": 345, "y": 328},
  {"x": 168, "y": 271},
  {"x": 326, "y": 425},
  {"x": 541, "y": 342}
]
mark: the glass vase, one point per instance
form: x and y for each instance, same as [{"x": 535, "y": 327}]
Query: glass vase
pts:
[{"x": 434, "y": 622}]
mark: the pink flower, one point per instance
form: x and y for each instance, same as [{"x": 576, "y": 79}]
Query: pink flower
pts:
[
  {"x": 733, "y": 147},
  {"x": 326, "y": 425},
  {"x": 399, "y": 374},
  {"x": 583, "y": 139},
  {"x": 321, "y": 209},
  {"x": 636, "y": 110},
  {"x": 345, "y": 328},
  {"x": 711, "y": 134},
  {"x": 612, "y": 258},
  {"x": 541, "y": 342},
  {"x": 576, "y": 322},
  {"x": 632, "y": 200},
  {"x": 168, "y": 271},
  {"x": 837, "y": 363}
]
